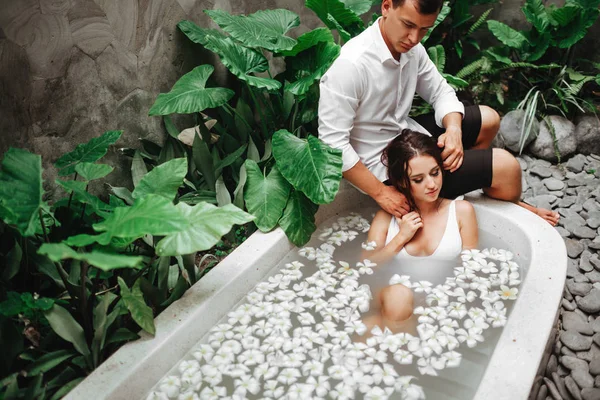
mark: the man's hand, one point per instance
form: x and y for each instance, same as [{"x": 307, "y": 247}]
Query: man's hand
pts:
[
  {"x": 392, "y": 201},
  {"x": 453, "y": 152}
]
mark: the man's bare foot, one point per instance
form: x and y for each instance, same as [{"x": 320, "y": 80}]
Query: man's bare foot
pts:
[{"x": 550, "y": 216}]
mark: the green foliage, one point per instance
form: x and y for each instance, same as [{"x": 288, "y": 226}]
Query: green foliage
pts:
[
  {"x": 189, "y": 94},
  {"x": 298, "y": 219},
  {"x": 266, "y": 195},
  {"x": 21, "y": 190},
  {"x": 89, "y": 152},
  {"x": 507, "y": 35}
]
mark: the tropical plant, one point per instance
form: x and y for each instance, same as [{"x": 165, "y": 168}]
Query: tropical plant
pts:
[
  {"x": 82, "y": 274},
  {"x": 255, "y": 149}
]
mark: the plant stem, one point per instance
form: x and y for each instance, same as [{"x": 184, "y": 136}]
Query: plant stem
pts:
[
  {"x": 83, "y": 302},
  {"x": 43, "y": 226},
  {"x": 233, "y": 110},
  {"x": 294, "y": 116},
  {"x": 262, "y": 117},
  {"x": 71, "y": 195}
]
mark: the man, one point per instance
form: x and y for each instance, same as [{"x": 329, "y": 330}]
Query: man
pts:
[{"x": 366, "y": 96}]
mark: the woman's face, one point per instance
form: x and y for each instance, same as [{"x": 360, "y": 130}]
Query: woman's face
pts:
[{"x": 425, "y": 178}]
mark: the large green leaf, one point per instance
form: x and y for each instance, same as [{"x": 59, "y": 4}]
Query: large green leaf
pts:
[
  {"x": 65, "y": 326},
  {"x": 138, "y": 168},
  {"x": 163, "y": 180},
  {"x": 91, "y": 171},
  {"x": 189, "y": 94},
  {"x": 308, "y": 40},
  {"x": 298, "y": 219},
  {"x": 134, "y": 300},
  {"x": 207, "y": 224},
  {"x": 21, "y": 190},
  {"x": 438, "y": 56},
  {"x": 85, "y": 240},
  {"x": 12, "y": 262},
  {"x": 359, "y": 7},
  {"x": 536, "y": 14},
  {"x": 309, "y": 165},
  {"x": 507, "y": 35},
  {"x": 104, "y": 261},
  {"x": 311, "y": 65},
  {"x": 576, "y": 29},
  {"x": 91, "y": 151},
  {"x": 48, "y": 361},
  {"x": 328, "y": 10},
  {"x": 82, "y": 195},
  {"x": 565, "y": 15},
  {"x": 265, "y": 28},
  {"x": 266, "y": 196},
  {"x": 240, "y": 60},
  {"x": 149, "y": 215},
  {"x": 440, "y": 18}
]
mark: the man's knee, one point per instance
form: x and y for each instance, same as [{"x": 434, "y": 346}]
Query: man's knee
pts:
[
  {"x": 397, "y": 302},
  {"x": 506, "y": 171},
  {"x": 490, "y": 120}
]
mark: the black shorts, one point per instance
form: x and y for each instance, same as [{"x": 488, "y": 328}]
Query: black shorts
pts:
[{"x": 476, "y": 169}]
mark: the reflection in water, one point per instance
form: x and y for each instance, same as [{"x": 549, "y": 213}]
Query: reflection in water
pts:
[{"x": 312, "y": 329}]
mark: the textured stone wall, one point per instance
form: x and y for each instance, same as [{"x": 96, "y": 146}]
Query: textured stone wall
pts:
[{"x": 72, "y": 69}]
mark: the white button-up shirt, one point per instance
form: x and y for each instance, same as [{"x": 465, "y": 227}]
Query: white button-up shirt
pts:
[{"x": 366, "y": 96}]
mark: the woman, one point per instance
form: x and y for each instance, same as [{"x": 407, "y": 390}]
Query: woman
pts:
[{"x": 435, "y": 229}]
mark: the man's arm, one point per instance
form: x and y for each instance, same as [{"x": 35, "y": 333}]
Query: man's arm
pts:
[
  {"x": 449, "y": 111},
  {"x": 451, "y": 141},
  {"x": 392, "y": 201}
]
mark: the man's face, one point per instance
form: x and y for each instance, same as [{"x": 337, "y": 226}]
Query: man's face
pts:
[{"x": 403, "y": 27}]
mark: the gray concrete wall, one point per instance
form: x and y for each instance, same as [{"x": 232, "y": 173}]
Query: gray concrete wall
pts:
[{"x": 72, "y": 69}]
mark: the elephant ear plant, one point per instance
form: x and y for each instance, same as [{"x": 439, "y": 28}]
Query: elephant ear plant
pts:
[
  {"x": 255, "y": 149},
  {"x": 82, "y": 274}
]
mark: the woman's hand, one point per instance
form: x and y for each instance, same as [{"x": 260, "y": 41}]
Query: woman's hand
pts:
[{"x": 409, "y": 224}]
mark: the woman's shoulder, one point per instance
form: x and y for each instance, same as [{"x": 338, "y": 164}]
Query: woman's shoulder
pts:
[
  {"x": 382, "y": 216},
  {"x": 464, "y": 209}
]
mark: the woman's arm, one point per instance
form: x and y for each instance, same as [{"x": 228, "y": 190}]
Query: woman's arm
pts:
[
  {"x": 409, "y": 224},
  {"x": 467, "y": 224}
]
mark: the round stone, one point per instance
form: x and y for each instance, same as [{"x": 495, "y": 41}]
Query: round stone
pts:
[
  {"x": 572, "y": 388},
  {"x": 590, "y": 303},
  {"x": 595, "y": 366},
  {"x": 590, "y": 394},
  {"x": 574, "y": 248},
  {"x": 582, "y": 378},
  {"x": 573, "y": 363},
  {"x": 579, "y": 289},
  {"x": 560, "y": 385},
  {"x": 541, "y": 171},
  {"x": 575, "y": 322},
  {"x": 553, "y": 184},
  {"x": 575, "y": 341},
  {"x": 593, "y": 223},
  {"x": 583, "y": 232}
]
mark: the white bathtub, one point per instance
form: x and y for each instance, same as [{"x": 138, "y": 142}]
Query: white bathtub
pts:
[{"x": 133, "y": 370}]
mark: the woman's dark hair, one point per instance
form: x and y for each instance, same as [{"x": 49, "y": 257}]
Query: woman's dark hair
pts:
[{"x": 400, "y": 151}]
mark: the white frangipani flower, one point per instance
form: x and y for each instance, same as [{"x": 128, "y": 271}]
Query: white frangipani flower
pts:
[
  {"x": 507, "y": 293},
  {"x": 369, "y": 246},
  {"x": 213, "y": 393},
  {"x": 170, "y": 386},
  {"x": 400, "y": 279}
]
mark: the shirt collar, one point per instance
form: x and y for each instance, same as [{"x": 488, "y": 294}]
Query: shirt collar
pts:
[{"x": 384, "y": 53}]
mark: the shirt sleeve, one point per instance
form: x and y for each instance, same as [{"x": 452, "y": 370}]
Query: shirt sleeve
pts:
[
  {"x": 434, "y": 89},
  {"x": 340, "y": 91}
]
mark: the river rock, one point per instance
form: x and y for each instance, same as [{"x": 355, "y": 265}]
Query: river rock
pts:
[
  {"x": 562, "y": 232},
  {"x": 583, "y": 232},
  {"x": 593, "y": 276},
  {"x": 574, "y": 248},
  {"x": 560, "y": 385},
  {"x": 572, "y": 363},
  {"x": 552, "y": 364},
  {"x": 579, "y": 289},
  {"x": 582, "y": 378},
  {"x": 541, "y": 171},
  {"x": 543, "y": 145},
  {"x": 593, "y": 223},
  {"x": 576, "y": 163},
  {"x": 591, "y": 205},
  {"x": 572, "y": 388},
  {"x": 553, "y": 184},
  {"x": 595, "y": 366},
  {"x": 591, "y": 302},
  {"x": 590, "y": 394},
  {"x": 543, "y": 392},
  {"x": 552, "y": 389},
  {"x": 573, "y": 321},
  {"x": 575, "y": 341},
  {"x": 587, "y": 133},
  {"x": 510, "y": 130}
]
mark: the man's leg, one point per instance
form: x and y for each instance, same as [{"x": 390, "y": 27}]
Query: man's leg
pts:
[{"x": 490, "y": 124}]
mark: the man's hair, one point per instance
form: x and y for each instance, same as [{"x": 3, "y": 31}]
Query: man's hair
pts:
[{"x": 425, "y": 7}]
